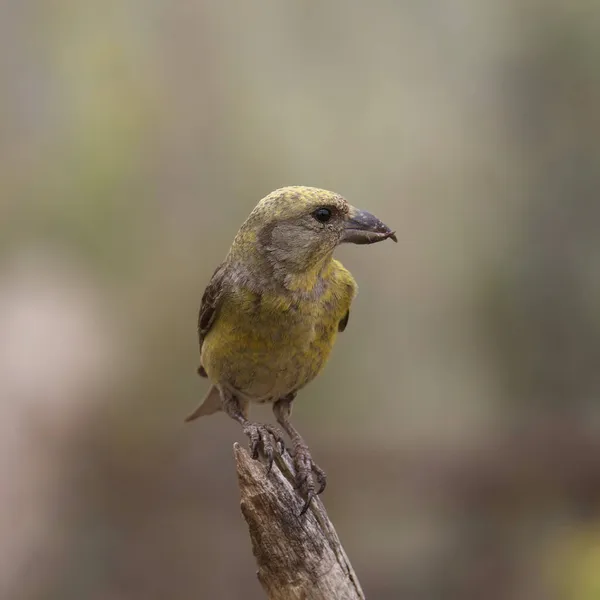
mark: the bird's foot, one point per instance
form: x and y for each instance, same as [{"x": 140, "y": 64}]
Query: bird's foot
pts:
[
  {"x": 261, "y": 438},
  {"x": 310, "y": 478}
]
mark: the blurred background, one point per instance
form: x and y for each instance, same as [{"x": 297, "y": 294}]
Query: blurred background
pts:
[{"x": 458, "y": 419}]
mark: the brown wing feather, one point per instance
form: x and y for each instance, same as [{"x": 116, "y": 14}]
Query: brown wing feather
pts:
[
  {"x": 342, "y": 324},
  {"x": 209, "y": 306}
]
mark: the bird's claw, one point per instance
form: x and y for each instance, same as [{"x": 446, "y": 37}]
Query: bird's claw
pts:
[
  {"x": 308, "y": 475},
  {"x": 261, "y": 437}
]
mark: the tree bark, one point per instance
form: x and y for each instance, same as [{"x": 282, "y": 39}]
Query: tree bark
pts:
[{"x": 298, "y": 557}]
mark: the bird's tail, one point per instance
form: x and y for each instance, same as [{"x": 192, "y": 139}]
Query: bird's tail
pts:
[{"x": 211, "y": 404}]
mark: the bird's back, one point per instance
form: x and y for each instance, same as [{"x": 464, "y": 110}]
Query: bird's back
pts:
[{"x": 267, "y": 344}]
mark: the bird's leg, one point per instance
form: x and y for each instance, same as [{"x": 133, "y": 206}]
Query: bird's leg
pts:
[
  {"x": 259, "y": 434},
  {"x": 307, "y": 471}
]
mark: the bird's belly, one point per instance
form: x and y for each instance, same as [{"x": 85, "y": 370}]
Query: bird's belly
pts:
[{"x": 263, "y": 364}]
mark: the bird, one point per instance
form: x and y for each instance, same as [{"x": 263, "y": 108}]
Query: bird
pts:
[{"x": 271, "y": 313}]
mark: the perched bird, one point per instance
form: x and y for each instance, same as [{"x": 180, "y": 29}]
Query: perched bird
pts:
[{"x": 272, "y": 310}]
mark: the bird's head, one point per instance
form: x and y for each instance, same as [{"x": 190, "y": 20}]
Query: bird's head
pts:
[{"x": 298, "y": 227}]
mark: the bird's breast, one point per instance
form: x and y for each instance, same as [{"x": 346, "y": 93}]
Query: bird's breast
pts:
[{"x": 269, "y": 344}]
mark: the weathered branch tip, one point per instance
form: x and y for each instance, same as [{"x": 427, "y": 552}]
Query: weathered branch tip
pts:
[{"x": 298, "y": 557}]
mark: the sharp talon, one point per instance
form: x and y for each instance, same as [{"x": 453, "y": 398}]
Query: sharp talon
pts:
[
  {"x": 322, "y": 486},
  {"x": 306, "y": 504},
  {"x": 321, "y": 478}
]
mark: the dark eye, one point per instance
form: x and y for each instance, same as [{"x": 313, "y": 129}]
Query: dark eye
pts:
[{"x": 322, "y": 214}]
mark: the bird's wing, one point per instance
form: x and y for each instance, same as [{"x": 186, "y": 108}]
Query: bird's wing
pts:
[
  {"x": 342, "y": 324},
  {"x": 209, "y": 307}
]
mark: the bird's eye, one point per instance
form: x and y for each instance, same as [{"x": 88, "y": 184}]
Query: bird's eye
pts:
[{"x": 322, "y": 214}]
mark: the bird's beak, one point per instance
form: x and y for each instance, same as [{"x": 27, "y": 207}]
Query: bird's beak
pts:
[{"x": 364, "y": 228}]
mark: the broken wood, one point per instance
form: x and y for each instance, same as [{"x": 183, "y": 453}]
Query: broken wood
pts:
[{"x": 298, "y": 557}]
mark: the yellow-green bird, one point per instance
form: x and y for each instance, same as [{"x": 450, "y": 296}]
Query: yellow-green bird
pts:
[{"x": 272, "y": 310}]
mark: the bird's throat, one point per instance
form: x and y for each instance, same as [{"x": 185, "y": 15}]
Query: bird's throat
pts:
[{"x": 309, "y": 282}]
